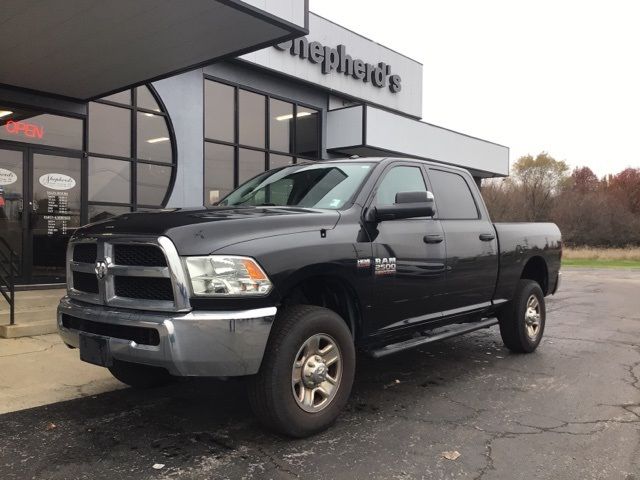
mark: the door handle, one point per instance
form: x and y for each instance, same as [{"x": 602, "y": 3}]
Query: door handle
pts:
[
  {"x": 435, "y": 238},
  {"x": 487, "y": 237}
]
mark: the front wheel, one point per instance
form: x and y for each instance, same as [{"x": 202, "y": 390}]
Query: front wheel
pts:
[
  {"x": 522, "y": 321},
  {"x": 307, "y": 372}
]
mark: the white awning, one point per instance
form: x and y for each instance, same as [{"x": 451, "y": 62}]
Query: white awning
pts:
[
  {"x": 84, "y": 49},
  {"x": 368, "y": 131}
]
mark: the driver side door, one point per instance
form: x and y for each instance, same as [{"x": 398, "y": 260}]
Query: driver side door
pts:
[{"x": 409, "y": 257}]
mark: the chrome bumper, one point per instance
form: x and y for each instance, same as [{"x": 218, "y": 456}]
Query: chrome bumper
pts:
[{"x": 200, "y": 343}]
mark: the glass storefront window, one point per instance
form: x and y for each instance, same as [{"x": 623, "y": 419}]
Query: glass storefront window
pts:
[
  {"x": 218, "y": 171},
  {"x": 109, "y": 130},
  {"x": 31, "y": 126},
  {"x": 307, "y": 127},
  {"x": 219, "y": 123},
  {"x": 251, "y": 164},
  {"x": 281, "y": 125},
  {"x": 117, "y": 176},
  {"x": 145, "y": 100},
  {"x": 233, "y": 157},
  {"x": 98, "y": 213},
  {"x": 251, "y": 118},
  {"x": 153, "y": 182},
  {"x": 276, "y": 160},
  {"x": 153, "y": 138},
  {"x": 109, "y": 180},
  {"x": 123, "y": 98}
]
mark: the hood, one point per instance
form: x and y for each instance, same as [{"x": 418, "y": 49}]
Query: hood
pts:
[{"x": 203, "y": 231}]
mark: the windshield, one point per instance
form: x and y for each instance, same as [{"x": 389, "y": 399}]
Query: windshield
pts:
[{"x": 318, "y": 185}]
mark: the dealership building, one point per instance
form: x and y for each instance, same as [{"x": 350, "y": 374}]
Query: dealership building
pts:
[{"x": 118, "y": 106}]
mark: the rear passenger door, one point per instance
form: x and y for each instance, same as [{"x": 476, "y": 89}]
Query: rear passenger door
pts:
[{"x": 470, "y": 239}]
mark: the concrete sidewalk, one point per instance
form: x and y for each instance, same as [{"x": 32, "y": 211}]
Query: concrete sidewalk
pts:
[
  {"x": 35, "y": 313},
  {"x": 41, "y": 370}
]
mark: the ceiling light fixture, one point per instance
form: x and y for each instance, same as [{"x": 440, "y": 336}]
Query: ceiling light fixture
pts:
[
  {"x": 289, "y": 116},
  {"x": 4, "y": 113},
  {"x": 158, "y": 140}
]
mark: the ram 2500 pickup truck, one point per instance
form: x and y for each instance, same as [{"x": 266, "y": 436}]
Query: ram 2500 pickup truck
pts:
[{"x": 296, "y": 269}]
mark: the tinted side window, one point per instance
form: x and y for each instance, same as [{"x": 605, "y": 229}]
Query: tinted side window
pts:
[
  {"x": 399, "y": 179},
  {"x": 453, "y": 197}
]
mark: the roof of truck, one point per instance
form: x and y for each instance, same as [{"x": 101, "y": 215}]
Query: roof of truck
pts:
[{"x": 381, "y": 159}]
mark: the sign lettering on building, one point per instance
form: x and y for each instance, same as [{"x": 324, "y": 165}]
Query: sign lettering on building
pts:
[
  {"x": 57, "y": 181},
  {"x": 336, "y": 59}
]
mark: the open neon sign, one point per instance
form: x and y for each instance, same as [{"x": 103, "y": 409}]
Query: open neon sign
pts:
[{"x": 30, "y": 130}]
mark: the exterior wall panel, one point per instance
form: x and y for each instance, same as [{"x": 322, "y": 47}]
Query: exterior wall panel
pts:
[
  {"x": 182, "y": 96},
  {"x": 345, "y": 127}
]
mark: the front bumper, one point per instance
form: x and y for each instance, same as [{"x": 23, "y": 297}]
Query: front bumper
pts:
[{"x": 198, "y": 343}]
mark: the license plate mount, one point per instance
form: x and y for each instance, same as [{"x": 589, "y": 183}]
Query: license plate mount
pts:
[{"x": 95, "y": 350}]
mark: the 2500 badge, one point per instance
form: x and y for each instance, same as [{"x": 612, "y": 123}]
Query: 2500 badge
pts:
[{"x": 385, "y": 266}]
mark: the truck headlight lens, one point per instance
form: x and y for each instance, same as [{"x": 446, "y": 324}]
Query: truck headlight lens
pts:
[{"x": 224, "y": 275}]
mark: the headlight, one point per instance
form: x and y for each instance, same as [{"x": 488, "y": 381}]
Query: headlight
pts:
[{"x": 223, "y": 275}]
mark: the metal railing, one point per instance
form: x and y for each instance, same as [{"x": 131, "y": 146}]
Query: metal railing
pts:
[{"x": 9, "y": 271}]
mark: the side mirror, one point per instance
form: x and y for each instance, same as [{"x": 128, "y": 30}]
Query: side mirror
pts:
[{"x": 408, "y": 205}]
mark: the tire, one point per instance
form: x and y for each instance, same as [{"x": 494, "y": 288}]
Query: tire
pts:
[
  {"x": 297, "y": 393},
  {"x": 522, "y": 333},
  {"x": 140, "y": 376}
]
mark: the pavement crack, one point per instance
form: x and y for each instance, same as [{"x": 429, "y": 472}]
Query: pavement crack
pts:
[
  {"x": 30, "y": 352},
  {"x": 635, "y": 379},
  {"x": 488, "y": 454}
]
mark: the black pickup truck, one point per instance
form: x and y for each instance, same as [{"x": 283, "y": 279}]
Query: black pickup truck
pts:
[{"x": 296, "y": 270}]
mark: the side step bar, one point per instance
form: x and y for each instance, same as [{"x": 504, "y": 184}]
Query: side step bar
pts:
[{"x": 423, "y": 340}]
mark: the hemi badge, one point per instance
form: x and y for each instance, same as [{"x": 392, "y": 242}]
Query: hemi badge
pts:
[{"x": 364, "y": 262}]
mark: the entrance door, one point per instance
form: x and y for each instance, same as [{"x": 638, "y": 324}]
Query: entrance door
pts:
[
  {"x": 54, "y": 212},
  {"x": 12, "y": 186},
  {"x": 40, "y": 201}
]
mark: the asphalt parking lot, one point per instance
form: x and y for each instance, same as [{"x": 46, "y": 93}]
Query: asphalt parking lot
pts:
[{"x": 569, "y": 411}]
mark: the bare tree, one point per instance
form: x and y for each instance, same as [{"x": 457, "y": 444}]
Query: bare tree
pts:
[{"x": 540, "y": 179}]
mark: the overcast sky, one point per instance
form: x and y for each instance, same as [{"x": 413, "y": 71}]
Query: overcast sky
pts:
[{"x": 559, "y": 76}]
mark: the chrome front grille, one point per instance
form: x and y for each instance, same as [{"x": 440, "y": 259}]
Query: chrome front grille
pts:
[
  {"x": 144, "y": 255},
  {"x": 131, "y": 272}
]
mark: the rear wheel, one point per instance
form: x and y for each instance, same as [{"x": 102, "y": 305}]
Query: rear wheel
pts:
[
  {"x": 307, "y": 372},
  {"x": 522, "y": 321},
  {"x": 140, "y": 376}
]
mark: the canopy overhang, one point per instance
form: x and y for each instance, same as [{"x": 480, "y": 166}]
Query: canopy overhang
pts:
[
  {"x": 368, "y": 131},
  {"x": 85, "y": 49}
]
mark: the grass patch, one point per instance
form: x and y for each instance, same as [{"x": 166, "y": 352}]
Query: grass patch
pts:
[
  {"x": 599, "y": 263},
  {"x": 601, "y": 257}
]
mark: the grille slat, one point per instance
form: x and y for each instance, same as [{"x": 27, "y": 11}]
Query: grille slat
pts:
[
  {"x": 85, "y": 282},
  {"x": 143, "y": 255},
  {"x": 140, "y": 335},
  {"x": 85, "y": 253},
  {"x": 145, "y": 288}
]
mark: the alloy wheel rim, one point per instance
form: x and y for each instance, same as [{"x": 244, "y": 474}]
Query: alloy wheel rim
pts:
[
  {"x": 532, "y": 317},
  {"x": 316, "y": 373}
]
